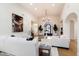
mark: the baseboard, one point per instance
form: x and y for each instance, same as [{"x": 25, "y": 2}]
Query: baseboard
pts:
[
  {"x": 0, "y": 51},
  {"x": 60, "y": 47}
]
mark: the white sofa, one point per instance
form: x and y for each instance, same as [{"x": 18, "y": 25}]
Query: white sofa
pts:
[
  {"x": 57, "y": 41},
  {"x": 61, "y": 41},
  {"x": 19, "y": 46}
]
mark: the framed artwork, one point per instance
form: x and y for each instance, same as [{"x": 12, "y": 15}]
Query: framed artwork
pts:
[{"x": 17, "y": 23}]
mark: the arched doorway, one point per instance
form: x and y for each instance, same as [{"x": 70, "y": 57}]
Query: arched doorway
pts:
[
  {"x": 47, "y": 26},
  {"x": 72, "y": 36},
  {"x": 47, "y": 29},
  {"x": 72, "y": 31},
  {"x": 72, "y": 19}
]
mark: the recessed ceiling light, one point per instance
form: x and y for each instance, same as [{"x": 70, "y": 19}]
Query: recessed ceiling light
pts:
[
  {"x": 43, "y": 17},
  {"x": 53, "y": 5},
  {"x": 35, "y": 8},
  {"x": 31, "y": 4}
]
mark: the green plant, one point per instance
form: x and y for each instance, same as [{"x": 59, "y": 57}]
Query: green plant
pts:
[
  {"x": 55, "y": 28},
  {"x": 40, "y": 28}
]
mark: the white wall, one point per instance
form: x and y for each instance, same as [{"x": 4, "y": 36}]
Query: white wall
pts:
[
  {"x": 72, "y": 30},
  {"x": 6, "y": 11},
  {"x": 70, "y": 8}
]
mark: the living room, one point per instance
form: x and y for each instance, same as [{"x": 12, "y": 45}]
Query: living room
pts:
[{"x": 39, "y": 29}]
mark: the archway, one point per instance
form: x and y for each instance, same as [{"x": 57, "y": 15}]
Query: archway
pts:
[
  {"x": 72, "y": 31},
  {"x": 71, "y": 20},
  {"x": 47, "y": 27}
]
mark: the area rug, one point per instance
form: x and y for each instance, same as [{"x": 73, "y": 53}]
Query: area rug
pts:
[{"x": 54, "y": 51}]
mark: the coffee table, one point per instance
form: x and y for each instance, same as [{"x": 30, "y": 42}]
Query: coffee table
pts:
[{"x": 44, "y": 50}]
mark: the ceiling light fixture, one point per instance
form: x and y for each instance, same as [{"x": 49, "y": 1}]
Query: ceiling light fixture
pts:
[
  {"x": 43, "y": 18},
  {"x": 31, "y": 3},
  {"x": 53, "y": 5},
  {"x": 35, "y": 8},
  {"x": 46, "y": 13}
]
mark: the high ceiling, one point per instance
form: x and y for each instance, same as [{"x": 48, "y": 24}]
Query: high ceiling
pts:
[{"x": 41, "y": 9}]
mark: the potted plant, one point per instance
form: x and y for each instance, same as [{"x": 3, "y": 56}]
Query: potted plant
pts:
[
  {"x": 55, "y": 28},
  {"x": 40, "y": 28},
  {"x": 61, "y": 30}
]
